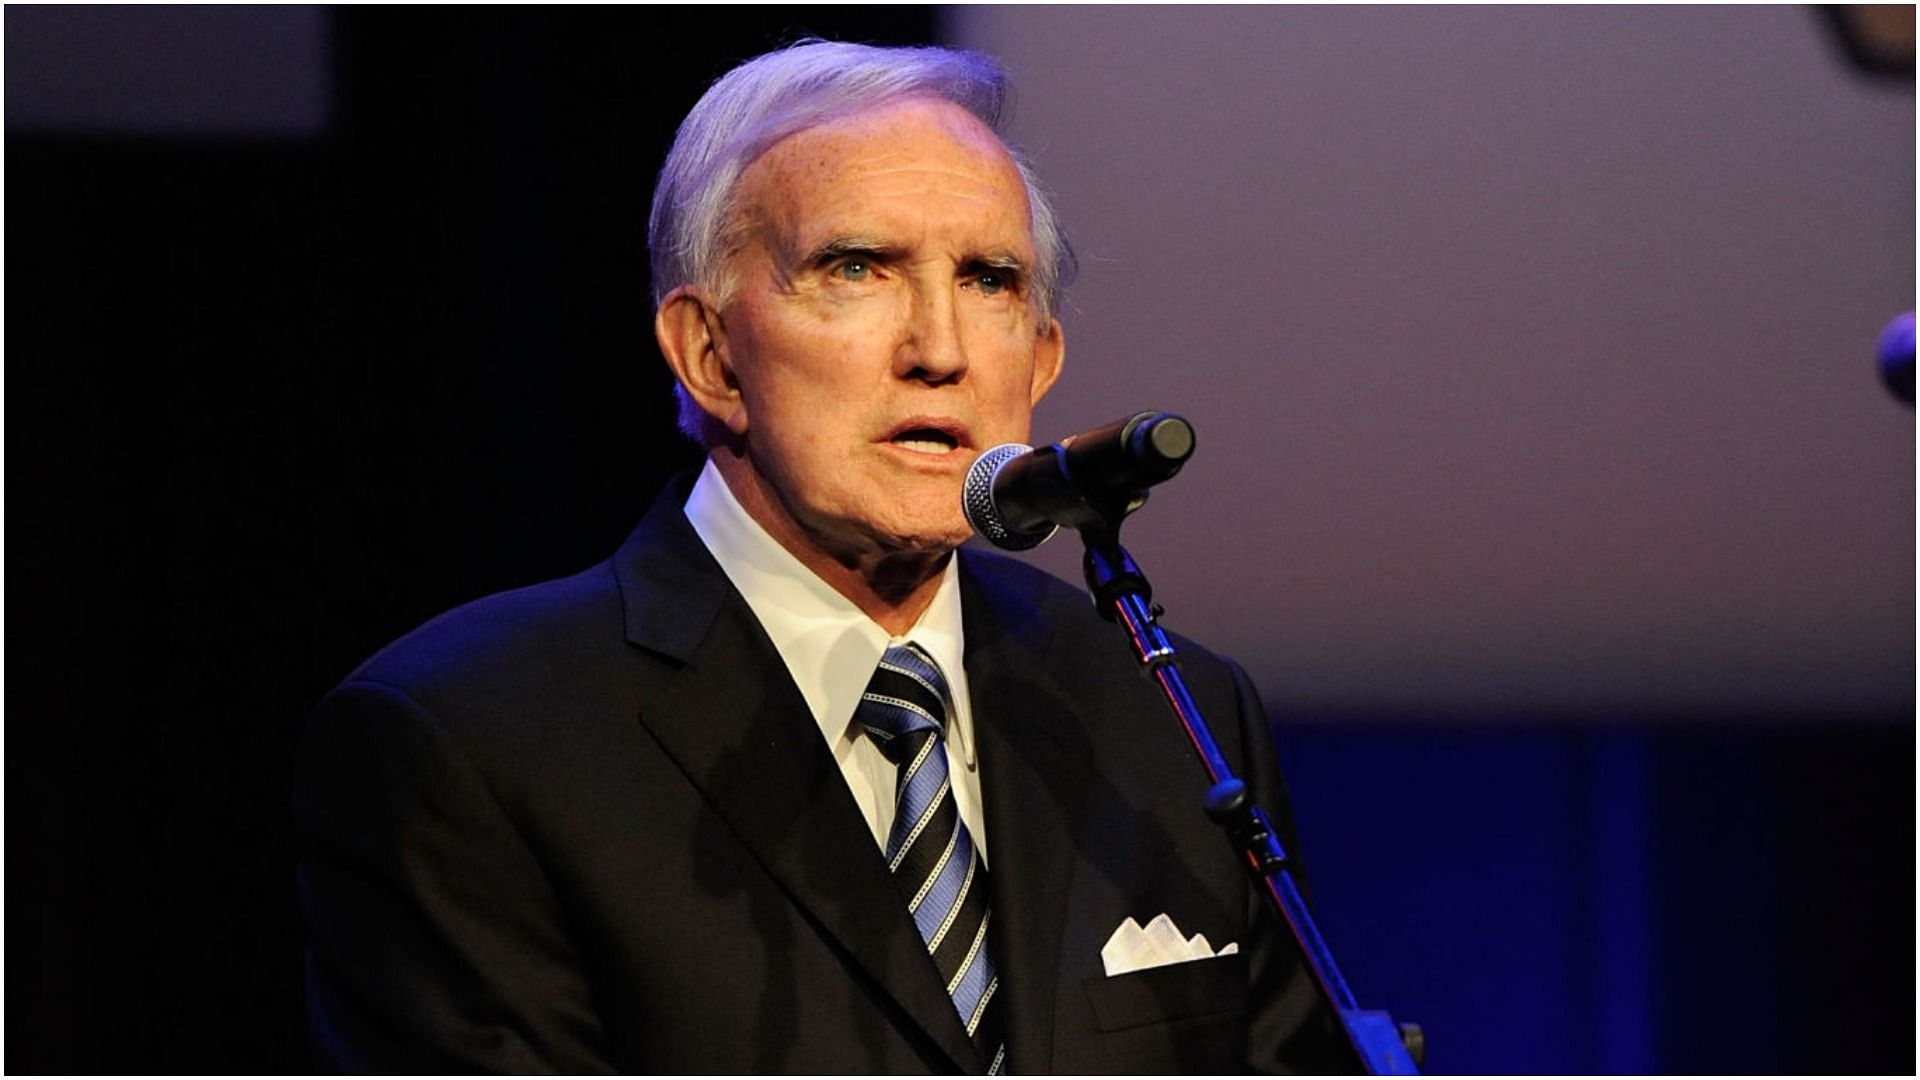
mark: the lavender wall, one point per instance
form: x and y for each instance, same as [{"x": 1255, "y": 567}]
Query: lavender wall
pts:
[{"x": 1531, "y": 351}]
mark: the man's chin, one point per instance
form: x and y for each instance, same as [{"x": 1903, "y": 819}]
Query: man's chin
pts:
[
  {"x": 933, "y": 527},
  {"x": 933, "y": 542},
  {"x": 899, "y": 542}
]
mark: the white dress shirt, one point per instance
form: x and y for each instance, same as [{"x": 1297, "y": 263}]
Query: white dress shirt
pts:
[{"x": 831, "y": 649}]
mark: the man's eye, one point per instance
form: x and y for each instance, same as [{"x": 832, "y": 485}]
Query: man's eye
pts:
[
  {"x": 855, "y": 270},
  {"x": 991, "y": 282}
]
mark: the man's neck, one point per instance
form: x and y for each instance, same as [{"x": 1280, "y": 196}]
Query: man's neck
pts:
[{"x": 891, "y": 588}]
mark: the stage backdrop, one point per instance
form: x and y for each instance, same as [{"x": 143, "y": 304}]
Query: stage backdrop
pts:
[{"x": 1531, "y": 352}]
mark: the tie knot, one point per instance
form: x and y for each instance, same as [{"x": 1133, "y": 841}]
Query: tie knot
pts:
[{"x": 905, "y": 702}]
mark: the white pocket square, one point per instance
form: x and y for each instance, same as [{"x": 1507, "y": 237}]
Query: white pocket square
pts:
[{"x": 1132, "y": 948}]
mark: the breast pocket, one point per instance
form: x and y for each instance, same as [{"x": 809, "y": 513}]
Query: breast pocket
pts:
[
  {"x": 1179, "y": 1018},
  {"x": 1159, "y": 995}
]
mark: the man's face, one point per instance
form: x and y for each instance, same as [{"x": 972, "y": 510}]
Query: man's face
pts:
[{"x": 881, "y": 327}]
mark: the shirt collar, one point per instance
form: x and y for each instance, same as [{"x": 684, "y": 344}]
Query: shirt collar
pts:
[{"x": 830, "y": 646}]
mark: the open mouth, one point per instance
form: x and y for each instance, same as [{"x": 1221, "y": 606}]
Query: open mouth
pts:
[{"x": 926, "y": 440}]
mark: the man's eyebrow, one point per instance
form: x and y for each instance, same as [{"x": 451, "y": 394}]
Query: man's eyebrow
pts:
[
  {"x": 839, "y": 247},
  {"x": 997, "y": 260},
  {"x": 879, "y": 249}
]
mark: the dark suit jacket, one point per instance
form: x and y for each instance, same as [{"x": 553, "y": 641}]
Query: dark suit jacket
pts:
[{"x": 590, "y": 825}]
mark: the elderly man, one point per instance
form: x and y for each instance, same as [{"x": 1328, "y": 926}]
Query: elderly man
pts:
[{"x": 787, "y": 785}]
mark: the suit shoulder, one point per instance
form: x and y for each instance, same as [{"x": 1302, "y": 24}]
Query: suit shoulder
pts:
[
  {"x": 1069, "y": 609},
  {"x": 502, "y": 636},
  {"x": 1011, "y": 577}
]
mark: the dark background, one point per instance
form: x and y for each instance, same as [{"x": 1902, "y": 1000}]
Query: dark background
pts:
[{"x": 300, "y": 362}]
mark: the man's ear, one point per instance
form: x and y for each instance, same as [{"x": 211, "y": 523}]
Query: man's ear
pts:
[
  {"x": 1049, "y": 354},
  {"x": 693, "y": 339}
]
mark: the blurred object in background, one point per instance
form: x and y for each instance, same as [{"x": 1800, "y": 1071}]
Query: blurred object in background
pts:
[
  {"x": 1896, "y": 356},
  {"x": 1878, "y": 37}
]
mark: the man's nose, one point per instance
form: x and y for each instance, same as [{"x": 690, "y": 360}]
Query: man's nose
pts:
[{"x": 934, "y": 349}]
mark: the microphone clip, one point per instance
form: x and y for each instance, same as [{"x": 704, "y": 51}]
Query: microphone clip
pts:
[{"x": 1111, "y": 573}]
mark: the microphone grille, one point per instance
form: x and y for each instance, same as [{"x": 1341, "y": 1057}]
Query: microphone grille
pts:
[{"x": 976, "y": 501}]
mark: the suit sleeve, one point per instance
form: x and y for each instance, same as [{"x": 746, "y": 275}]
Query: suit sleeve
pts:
[
  {"x": 436, "y": 942},
  {"x": 1289, "y": 1027}
]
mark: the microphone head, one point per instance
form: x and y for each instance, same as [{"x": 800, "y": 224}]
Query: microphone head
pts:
[{"x": 976, "y": 501}]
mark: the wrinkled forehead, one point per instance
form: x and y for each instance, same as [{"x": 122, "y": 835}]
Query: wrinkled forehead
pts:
[
  {"x": 890, "y": 118},
  {"x": 890, "y": 148}
]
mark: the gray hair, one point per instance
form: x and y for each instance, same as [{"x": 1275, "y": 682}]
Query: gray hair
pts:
[{"x": 786, "y": 92}]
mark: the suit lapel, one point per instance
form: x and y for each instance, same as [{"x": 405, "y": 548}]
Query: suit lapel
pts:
[
  {"x": 738, "y": 728},
  {"x": 1035, "y": 765}
]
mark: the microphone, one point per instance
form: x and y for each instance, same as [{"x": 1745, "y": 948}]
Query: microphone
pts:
[{"x": 1016, "y": 496}]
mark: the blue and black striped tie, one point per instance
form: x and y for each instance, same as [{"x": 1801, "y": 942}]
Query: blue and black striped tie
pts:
[{"x": 904, "y": 712}]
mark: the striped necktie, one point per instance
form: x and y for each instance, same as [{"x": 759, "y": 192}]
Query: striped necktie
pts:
[{"x": 904, "y": 712}]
